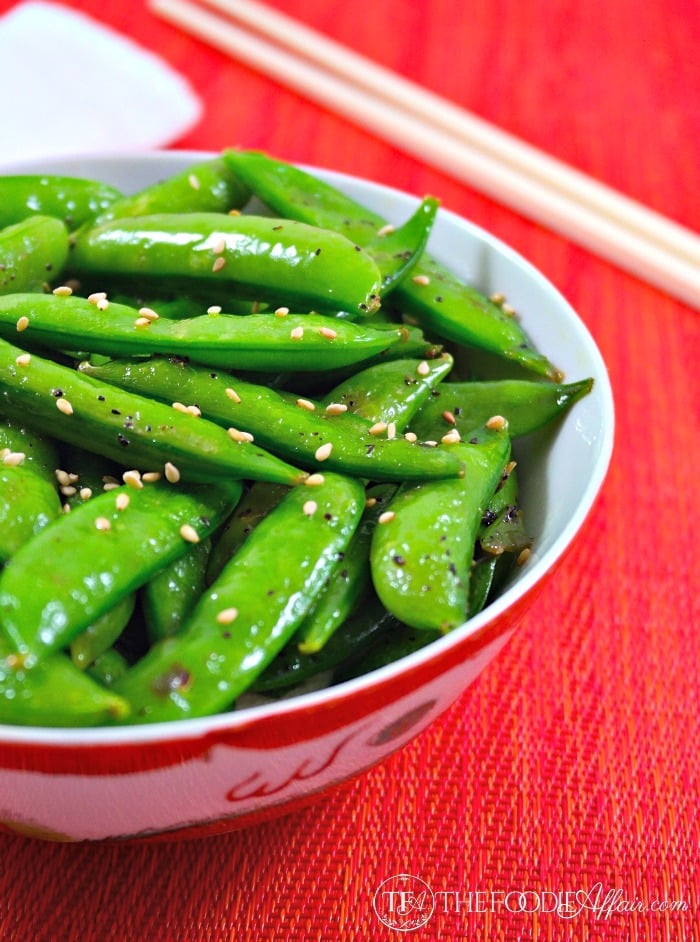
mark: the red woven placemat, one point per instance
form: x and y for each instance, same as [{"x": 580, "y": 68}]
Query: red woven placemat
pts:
[{"x": 558, "y": 799}]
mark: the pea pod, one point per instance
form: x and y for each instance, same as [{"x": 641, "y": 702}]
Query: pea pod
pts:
[
  {"x": 78, "y": 568},
  {"x": 294, "y": 427},
  {"x": 277, "y": 260},
  {"x": 169, "y": 597},
  {"x": 29, "y": 498},
  {"x": 421, "y": 554},
  {"x": 256, "y": 342},
  {"x": 502, "y": 529},
  {"x": 439, "y": 300},
  {"x": 397, "y": 250},
  {"x": 133, "y": 431},
  {"x": 32, "y": 252},
  {"x": 73, "y": 200},
  {"x": 388, "y": 647},
  {"x": 252, "y": 609},
  {"x": 102, "y": 633},
  {"x": 107, "y": 667},
  {"x": 54, "y": 693},
  {"x": 526, "y": 404}
]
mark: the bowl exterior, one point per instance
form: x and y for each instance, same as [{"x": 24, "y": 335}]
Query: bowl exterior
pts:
[{"x": 203, "y": 776}]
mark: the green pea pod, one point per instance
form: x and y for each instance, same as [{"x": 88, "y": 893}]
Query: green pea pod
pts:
[
  {"x": 102, "y": 633},
  {"x": 397, "y": 251},
  {"x": 282, "y": 261},
  {"x": 29, "y": 498},
  {"x": 73, "y": 200},
  {"x": 391, "y": 392},
  {"x": 250, "y": 612},
  {"x": 293, "y": 427},
  {"x": 132, "y": 430},
  {"x": 54, "y": 693},
  {"x": 208, "y": 186},
  {"x": 260, "y": 498},
  {"x": 388, "y": 647},
  {"x": 107, "y": 667},
  {"x": 32, "y": 252},
  {"x": 349, "y": 583},
  {"x": 169, "y": 597},
  {"x": 526, "y": 404},
  {"x": 439, "y": 300},
  {"x": 78, "y": 568},
  {"x": 421, "y": 555},
  {"x": 256, "y": 342},
  {"x": 366, "y": 625},
  {"x": 503, "y": 529}
]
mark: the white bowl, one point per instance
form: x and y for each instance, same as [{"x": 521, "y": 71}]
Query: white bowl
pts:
[{"x": 199, "y": 776}]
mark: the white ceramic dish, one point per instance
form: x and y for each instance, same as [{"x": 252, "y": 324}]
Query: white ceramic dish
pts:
[{"x": 206, "y": 775}]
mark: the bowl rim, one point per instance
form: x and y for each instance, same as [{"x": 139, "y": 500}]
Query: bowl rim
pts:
[{"x": 196, "y": 727}]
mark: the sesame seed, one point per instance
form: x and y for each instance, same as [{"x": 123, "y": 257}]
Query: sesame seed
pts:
[
  {"x": 324, "y": 451},
  {"x": 189, "y": 534},
  {"x": 391, "y": 430},
  {"x": 310, "y": 507},
  {"x": 306, "y": 404},
  {"x": 336, "y": 408},
  {"x": 386, "y": 230},
  {"x": 142, "y": 322},
  {"x": 218, "y": 263},
  {"x": 378, "y": 428},
  {"x": 234, "y": 212},
  {"x": 420, "y": 280},
  {"x": 22, "y": 323},
  {"x": 430, "y": 443},
  {"x": 451, "y": 437},
  {"x": 97, "y": 296},
  {"x": 194, "y": 410},
  {"x": 232, "y": 394},
  {"x": 449, "y": 417},
  {"x": 410, "y": 436},
  {"x": 423, "y": 368},
  {"x": 510, "y": 467},
  {"x": 281, "y": 312},
  {"x": 497, "y": 298},
  {"x": 179, "y": 407},
  {"x": 85, "y": 493},
  {"x": 193, "y": 181},
  {"x": 122, "y": 501},
  {"x": 64, "y": 406},
  {"x": 102, "y": 304},
  {"x": 227, "y": 615},
  {"x": 214, "y": 309},
  {"x": 110, "y": 485},
  {"x": 133, "y": 479},
  {"x": 371, "y": 502},
  {"x": 238, "y": 436},
  {"x": 523, "y": 556},
  {"x": 13, "y": 458},
  {"x": 328, "y": 332},
  {"x": 508, "y": 309},
  {"x": 297, "y": 333},
  {"x": 102, "y": 523},
  {"x": 148, "y": 313},
  {"x": 63, "y": 291},
  {"x": 172, "y": 473},
  {"x": 150, "y": 476},
  {"x": 24, "y": 359},
  {"x": 62, "y": 476},
  {"x": 314, "y": 480},
  {"x": 66, "y": 508},
  {"x": 497, "y": 422},
  {"x": 219, "y": 246},
  {"x": 386, "y": 517}
]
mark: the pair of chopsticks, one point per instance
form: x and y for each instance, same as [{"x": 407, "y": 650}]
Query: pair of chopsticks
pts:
[{"x": 512, "y": 172}]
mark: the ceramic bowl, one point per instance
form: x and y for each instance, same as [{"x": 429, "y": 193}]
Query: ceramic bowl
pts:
[{"x": 200, "y": 776}]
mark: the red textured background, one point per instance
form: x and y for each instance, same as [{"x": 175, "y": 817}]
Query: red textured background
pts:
[{"x": 574, "y": 759}]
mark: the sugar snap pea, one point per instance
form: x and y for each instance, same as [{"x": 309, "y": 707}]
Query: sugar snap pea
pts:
[
  {"x": 247, "y": 615},
  {"x": 502, "y": 528},
  {"x": 31, "y": 253},
  {"x": 99, "y": 637},
  {"x": 75, "y": 570},
  {"x": 312, "y": 437},
  {"x": 439, "y": 300},
  {"x": 281, "y": 261},
  {"x": 73, "y": 200},
  {"x": 256, "y": 342},
  {"x": 422, "y": 550},
  {"x": 169, "y": 597},
  {"x": 136, "y": 432}
]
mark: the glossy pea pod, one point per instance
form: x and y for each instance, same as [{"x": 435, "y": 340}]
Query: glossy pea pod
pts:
[
  {"x": 29, "y": 498},
  {"x": 294, "y": 427},
  {"x": 99, "y": 637},
  {"x": 170, "y": 596},
  {"x": 72, "y": 200},
  {"x": 257, "y": 342},
  {"x": 422, "y": 550},
  {"x": 526, "y": 405},
  {"x": 32, "y": 252},
  {"x": 74, "y": 571},
  {"x": 54, "y": 693},
  {"x": 136, "y": 432},
  {"x": 502, "y": 529},
  {"x": 281, "y": 261},
  {"x": 251, "y": 610},
  {"x": 439, "y": 300}
]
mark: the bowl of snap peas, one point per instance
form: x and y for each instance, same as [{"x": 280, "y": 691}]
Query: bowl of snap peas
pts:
[{"x": 285, "y": 456}]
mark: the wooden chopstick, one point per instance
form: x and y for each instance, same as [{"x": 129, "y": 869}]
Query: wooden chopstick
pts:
[{"x": 513, "y": 173}]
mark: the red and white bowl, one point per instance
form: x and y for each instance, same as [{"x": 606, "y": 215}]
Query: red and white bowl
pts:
[{"x": 200, "y": 776}]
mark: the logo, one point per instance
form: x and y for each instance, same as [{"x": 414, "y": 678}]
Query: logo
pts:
[{"x": 404, "y": 902}]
